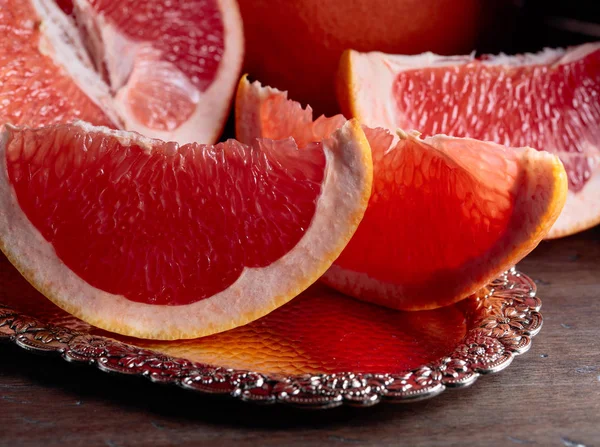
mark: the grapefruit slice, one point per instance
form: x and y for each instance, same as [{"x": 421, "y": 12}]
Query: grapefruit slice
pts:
[
  {"x": 549, "y": 100},
  {"x": 446, "y": 215},
  {"x": 166, "y": 69},
  {"x": 156, "y": 240}
]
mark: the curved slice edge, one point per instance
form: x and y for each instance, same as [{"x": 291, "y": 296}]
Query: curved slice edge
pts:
[
  {"x": 340, "y": 208},
  {"x": 543, "y": 171},
  {"x": 250, "y": 98},
  {"x": 247, "y": 118},
  {"x": 256, "y": 104},
  {"x": 364, "y": 82}
]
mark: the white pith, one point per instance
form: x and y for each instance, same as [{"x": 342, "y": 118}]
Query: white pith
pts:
[
  {"x": 63, "y": 43},
  {"x": 256, "y": 292}
]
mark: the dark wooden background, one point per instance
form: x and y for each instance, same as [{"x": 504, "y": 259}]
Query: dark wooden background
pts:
[{"x": 548, "y": 397}]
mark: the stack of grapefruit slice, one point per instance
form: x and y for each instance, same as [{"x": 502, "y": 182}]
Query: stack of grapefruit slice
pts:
[
  {"x": 446, "y": 214},
  {"x": 167, "y": 240},
  {"x": 157, "y": 240}
]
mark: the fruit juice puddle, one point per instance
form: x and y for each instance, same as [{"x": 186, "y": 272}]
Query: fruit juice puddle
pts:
[{"x": 321, "y": 331}]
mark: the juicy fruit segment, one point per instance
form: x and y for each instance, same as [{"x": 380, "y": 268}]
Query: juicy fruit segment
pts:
[
  {"x": 565, "y": 121},
  {"x": 549, "y": 100},
  {"x": 34, "y": 90},
  {"x": 446, "y": 215},
  {"x": 163, "y": 68},
  {"x": 135, "y": 235},
  {"x": 261, "y": 111},
  {"x": 161, "y": 205},
  {"x": 170, "y": 29}
]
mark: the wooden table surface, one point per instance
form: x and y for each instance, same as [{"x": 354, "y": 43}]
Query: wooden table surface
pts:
[{"x": 548, "y": 397}]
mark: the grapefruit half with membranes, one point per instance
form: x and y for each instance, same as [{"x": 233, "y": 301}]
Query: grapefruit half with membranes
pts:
[
  {"x": 166, "y": 69},
  {"x": 446, "y": 215},
  {"x": 549, "y": 101},
  {"x": 156, "y": 240}
]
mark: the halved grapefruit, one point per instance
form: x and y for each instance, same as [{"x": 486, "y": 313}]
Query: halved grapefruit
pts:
[
  {"x": 446, "y": 214},
  {"x": 549, "y": 100},
  {"x": 166, "y": 69},
  {"x": 156, "y": 240}
]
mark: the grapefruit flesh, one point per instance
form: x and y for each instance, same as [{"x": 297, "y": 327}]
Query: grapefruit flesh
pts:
[
  {"x": 446, "y": 215},
  {"x": 166, "y": 69},
  {"x": 549, "y": 100},
  {"x": 319, "y": 331},
  {"x": 157, "y": 240}
]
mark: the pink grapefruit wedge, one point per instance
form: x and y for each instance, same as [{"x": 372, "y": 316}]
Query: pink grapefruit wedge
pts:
[
  {"x": 549, "y": 101},
  {"x": 157, "y": 240}
]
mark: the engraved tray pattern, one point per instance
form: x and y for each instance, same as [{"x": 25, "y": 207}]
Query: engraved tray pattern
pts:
[{"x": 501, "y": 323}]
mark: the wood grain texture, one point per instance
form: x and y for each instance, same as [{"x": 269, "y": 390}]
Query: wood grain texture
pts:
[{"x": 550, "y": 396}]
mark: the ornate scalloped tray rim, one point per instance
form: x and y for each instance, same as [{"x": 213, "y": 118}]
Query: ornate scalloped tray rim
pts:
[{"x": 508, "y": 316}]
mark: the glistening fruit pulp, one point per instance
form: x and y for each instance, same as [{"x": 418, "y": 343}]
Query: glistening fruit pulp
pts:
[
  {"x": 153, "y": 240},
  {"x": 187, "y": 38},
  {"x": 168, "y": 225}
]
